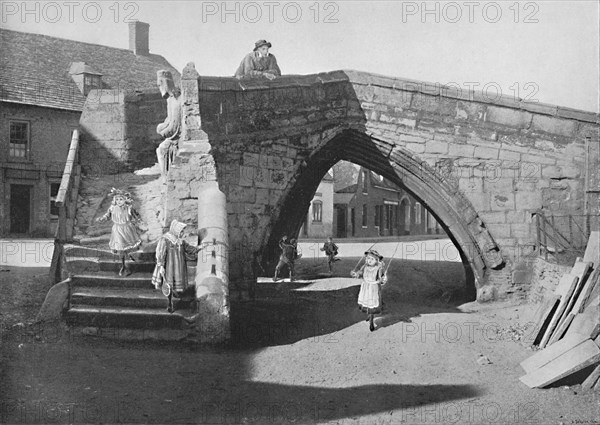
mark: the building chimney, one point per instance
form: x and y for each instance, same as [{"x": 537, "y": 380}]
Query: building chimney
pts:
[{"x": 138, "y": 37}]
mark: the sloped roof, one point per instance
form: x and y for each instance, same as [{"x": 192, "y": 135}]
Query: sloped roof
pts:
[
  {"x": 342, "y": 198},
  {"x": 345, "y": 174},
  {"x": 34, "y": 69}
]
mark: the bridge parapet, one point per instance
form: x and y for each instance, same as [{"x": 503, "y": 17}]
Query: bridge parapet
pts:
[{"x": 483, "y": 165}]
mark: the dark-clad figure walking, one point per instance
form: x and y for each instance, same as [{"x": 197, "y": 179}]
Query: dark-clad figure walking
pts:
[
  {"x": 331, "y": 250},
  {"x": 289, "y": 254}
]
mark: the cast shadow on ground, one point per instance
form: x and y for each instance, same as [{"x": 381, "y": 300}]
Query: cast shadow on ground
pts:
[{"x": 284, "y": 313}]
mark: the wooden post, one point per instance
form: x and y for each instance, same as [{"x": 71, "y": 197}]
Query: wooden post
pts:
[
  {"x": 537, "y": 228},
  {"x": 543, "y": 223}
]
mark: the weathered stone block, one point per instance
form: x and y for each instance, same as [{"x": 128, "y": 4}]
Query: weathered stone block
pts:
[
  {"x": 509, "y": 155},
  {"x": 461, "y": 150},
  {"x": 502, "y": 201},
  {"x": 240, "y": 194},
  {"x": 553, "y": 125},
  {"x": 415, "y": 147},
  {"x": 522, "y": 230},
  {"x": 262, "y": 196},
  {"x": 538, "y": 159},
  {"x": 507, "y": 116},
  {"x": 517, "y": 217},
  {"x": 246, "y": 177},
  {"x": 499, "y": 230},
  {"x": 498, "y": 185},
  {"x": 485, "y": 153},
  {"x": 493, "y": 217},
  {"x": 471, "y": 184},
  {"x": 520, "y": 277},
  {"x": 528, "y": 200},
  {"x": 433, "y": 146}
]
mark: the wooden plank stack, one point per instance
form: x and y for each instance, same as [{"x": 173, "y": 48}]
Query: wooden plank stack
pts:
[{"x": 568, "y": 326}]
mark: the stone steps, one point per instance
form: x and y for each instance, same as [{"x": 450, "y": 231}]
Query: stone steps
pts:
[
  {"x": 126, "y": 317},
  {"x": 123, "y": 297},
  {"x": 102, "y": 279},
  {"x": 102, "y": 303},
  {"x": 87, "y": 265}
]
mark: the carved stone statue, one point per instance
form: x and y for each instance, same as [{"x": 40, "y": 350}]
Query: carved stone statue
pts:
[{"x": 170, "y": 129}]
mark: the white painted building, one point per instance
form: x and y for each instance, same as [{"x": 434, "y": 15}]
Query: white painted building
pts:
[{"x": 319, "y": 220}]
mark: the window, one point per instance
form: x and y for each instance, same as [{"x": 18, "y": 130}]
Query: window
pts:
[
  {"x": 389, "y": 211},
  {"x": 417, "y": 213},
  {"x": 364, "y": 216},
  {"x": 365, "y": 182},
  {"x": 317, "y": 210},
  {"x": 53, "y": 192},
  {"x": 91, "y": 81},
  {"x": 18, "y": 144},
  {"x": 377, "y": 214}
]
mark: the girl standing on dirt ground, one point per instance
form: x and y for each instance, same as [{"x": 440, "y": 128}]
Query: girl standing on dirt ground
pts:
[
  {"x": 124, "y": 237},
  {"x": 331, "y": 250},
  {"x": 369, "y": 297}
]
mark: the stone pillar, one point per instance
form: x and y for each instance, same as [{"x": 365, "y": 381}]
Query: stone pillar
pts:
[
  {"x": 192, "y": 165},
  {"x": 212, "y": 273}
]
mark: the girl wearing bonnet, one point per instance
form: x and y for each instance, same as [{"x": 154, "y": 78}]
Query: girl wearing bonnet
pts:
[
  {"x": 124, "y": 237},
  {"x": 369, "y": 297},
  {"x": 172, "y": 255}
]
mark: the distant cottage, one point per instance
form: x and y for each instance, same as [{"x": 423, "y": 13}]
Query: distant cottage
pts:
[{"x": 44, "y": 85}]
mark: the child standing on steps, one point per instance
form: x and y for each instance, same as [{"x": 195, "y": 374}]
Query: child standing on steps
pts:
[
  {"x": 124, "y": 237},
  {"x": 172, "y": 254},
  {"x": 369, "y": 297}
]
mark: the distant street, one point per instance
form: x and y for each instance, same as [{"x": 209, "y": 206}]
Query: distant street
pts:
[{"x": 422, "y": 250}]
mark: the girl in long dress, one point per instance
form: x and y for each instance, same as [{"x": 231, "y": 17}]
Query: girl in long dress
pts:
[
  {"x": 124, "y": 237},
  {"x": 172, "y": 255},
  {"x": 373, "y": 275}
]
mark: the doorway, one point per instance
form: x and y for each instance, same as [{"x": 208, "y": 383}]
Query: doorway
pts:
[
  {"x": 20, "y": 208},
  {"x": 341, "y": 221}
]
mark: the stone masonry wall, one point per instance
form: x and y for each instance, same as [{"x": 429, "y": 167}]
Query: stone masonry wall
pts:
[
  {"x": 119, "y": 130},
  {"x": 506, "y": 158}
]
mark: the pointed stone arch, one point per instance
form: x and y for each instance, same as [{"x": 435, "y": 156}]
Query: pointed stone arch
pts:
[{"x": 437, "y": 192}]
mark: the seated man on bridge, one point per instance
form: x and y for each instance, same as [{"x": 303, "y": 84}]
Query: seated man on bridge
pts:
[{"x": 259, "y": 63}]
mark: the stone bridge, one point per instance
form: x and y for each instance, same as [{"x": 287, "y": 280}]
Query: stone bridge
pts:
[{"x": 481, "y": 163}]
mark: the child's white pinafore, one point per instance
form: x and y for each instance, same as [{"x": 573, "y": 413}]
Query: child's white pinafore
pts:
[{"x": 369, "y": 297}]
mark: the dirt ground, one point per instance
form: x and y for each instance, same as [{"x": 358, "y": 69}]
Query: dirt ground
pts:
[{"x": 300, "y": 354}]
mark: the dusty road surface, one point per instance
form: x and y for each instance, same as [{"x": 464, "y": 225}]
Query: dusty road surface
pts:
[{"x": 300, "y": 354}]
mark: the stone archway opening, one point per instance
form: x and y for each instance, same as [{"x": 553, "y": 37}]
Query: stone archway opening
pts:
[{"x": 456, "y": 217}]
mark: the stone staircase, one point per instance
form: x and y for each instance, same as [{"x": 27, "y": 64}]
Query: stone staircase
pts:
[{"x": 103, "y": 303}]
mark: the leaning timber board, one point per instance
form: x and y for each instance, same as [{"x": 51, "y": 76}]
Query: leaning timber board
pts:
[
  {"x": 571, "y": 281},
  {"x": 580, "y": 269},
  {"x": 547, "y": 308},
  {"x": 586, "y": 323},
  {"x": 551, "y": 352},
  {"x": 543, "y": 316},
  {"x": 592, "y": 250},
  {"x": 587, "y": 291},
  {"x": 583, "y": 355},
  {"x": 562, "y": 327},
  {"x": 591, "y": 380}
]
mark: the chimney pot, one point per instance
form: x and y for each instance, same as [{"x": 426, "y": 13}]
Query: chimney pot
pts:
[{"x": 138, "y": 37}]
